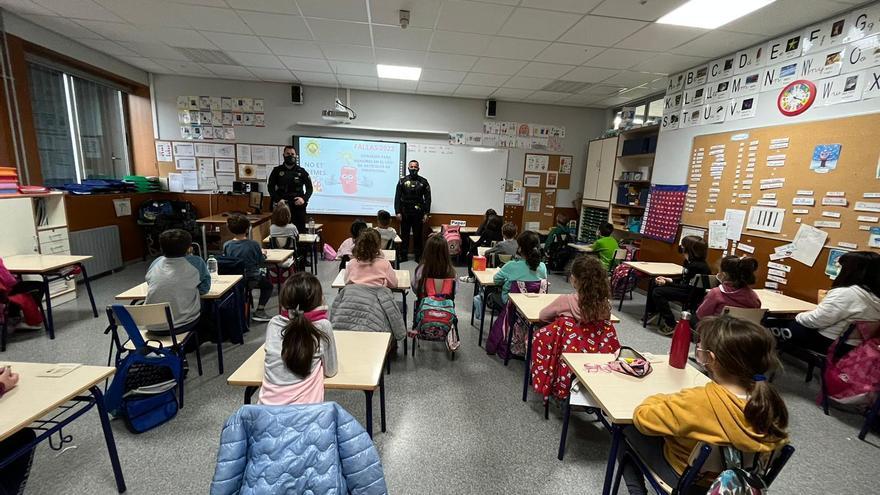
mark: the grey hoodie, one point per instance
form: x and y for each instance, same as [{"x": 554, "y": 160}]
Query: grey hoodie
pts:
[{"x": 840, "y": 308}]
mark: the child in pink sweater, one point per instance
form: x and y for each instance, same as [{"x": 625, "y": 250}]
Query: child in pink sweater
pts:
[
  {"x": 737, "y": 274},
  {"x": 368, "y": 266},
  {"x": 591, "y": 300}
]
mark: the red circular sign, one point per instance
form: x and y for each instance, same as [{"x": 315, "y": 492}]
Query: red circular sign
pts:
[{"x": 796, "y": 98}]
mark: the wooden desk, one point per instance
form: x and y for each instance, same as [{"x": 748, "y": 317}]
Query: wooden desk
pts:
[
  {"x": 220, "y": 219},
  {"x": 529, "y": 306},
  {"x": 582, "y": 248},
  {"x": 277, "y": 257},
  {"x": 218, "y": 295},
  {"x": 361, "y": 357},
  {"x": 481, "y": 251},
  {"x": 391, "y": 256},
  {"x": 47, "y": 267},
  {"x": 403, "y": 286},
  {"x": 34, "y": 402},
  {"x": 464, "y": 230},
  {"x": 473, "y": 238},
  {"x": 781, "y": 304},
  {"x": 312, "y": 240},
  {"x": 484, "y": 281},
  {"x": 653, "y": 270},
  {"x": 618, "y": 395}
]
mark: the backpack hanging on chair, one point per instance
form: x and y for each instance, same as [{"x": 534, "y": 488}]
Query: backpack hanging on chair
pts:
[
  {"x": 735, "y": 480},
  {"x": 851, "y": 378},
  {"x": 142, "y": 391},
  {"x": 436, "y": 319},
  {"x": 452, "y": 234},
  {"x": 559, "y": 252}
]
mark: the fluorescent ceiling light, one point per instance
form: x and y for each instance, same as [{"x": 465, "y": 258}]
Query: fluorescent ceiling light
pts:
[
  {"x": 710, "y": 14},
  {"x": 399, "y": 72},
  {"x": 482, "y": 150}
]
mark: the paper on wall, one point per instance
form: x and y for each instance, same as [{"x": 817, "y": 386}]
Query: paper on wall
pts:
[
  {"x": 691, "y": 231},
  {"x": 175, "y": 182},
  {"x": 717, "y": 234},
  {"x": 778, "y": 266},
  {"x": 747, "y": 248},
  {"x": 244, "y": 153},
  {"x": 224, "y": 181},
  {"x": 537, "y": 163},
  {"x": 206, "y": 167},
  {"x": 766, "y": 219},
  {"x": 534, "y": 202},
  {"x": 204, "y": 149},
  {"x": 224, "y": 150},
  {"x": 183, "y": 149},
  {"x": 261, "y": 172},
  {"x": 735, "y": 220},
  {"x": 532, "y": 180},
  {"x": 163, "y": 151},
  {"x": 225, "y": 165},
  {"x": 185, "y": 163},
  {"x": 190, "y": 180},
  {"x": 208, "y": 183},
  {"x": 808, "y": 244}
]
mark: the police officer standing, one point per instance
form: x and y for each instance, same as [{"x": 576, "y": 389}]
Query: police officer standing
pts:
[
  {"x": 291, "y": 183},
  {"x": 412, "y": 203}
]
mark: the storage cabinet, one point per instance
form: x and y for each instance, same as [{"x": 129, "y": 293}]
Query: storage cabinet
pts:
[{"x": 601, "y": 158}]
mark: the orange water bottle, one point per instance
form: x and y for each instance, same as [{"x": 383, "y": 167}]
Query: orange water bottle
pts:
[{"x": 681, "y": 342}]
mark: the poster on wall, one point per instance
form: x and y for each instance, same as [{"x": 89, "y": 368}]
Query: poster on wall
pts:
[{"x": 825, "y": 157}]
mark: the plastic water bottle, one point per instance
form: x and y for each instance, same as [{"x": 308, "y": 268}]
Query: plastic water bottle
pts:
[
  {"x": 311, "y": 225},
  {"x": 681, "y": 342},
  {"x": 212, "y": 267}
]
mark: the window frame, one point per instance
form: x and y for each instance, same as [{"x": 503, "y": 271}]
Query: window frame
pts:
[{"x": 644, "y": 117}]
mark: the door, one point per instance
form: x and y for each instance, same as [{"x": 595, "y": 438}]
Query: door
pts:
[
  {"x": 591, "y": 175},
  {"x": 605, "y": 178}
]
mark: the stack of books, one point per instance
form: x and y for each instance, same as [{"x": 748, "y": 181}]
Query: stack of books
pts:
[
  {"x": 8, "y": 180},
  {"x": 143, "y": 184}
]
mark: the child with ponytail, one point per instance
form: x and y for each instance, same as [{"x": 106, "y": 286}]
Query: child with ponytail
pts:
[
  {"x": 739, "y": 407},
  {"x": 736, "y": 275},
  {"x": 528, "y": 266},
  {"x": 300, "y": 349}
]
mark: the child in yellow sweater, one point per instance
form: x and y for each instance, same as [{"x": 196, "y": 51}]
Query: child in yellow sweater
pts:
[{"x": 739, "y": 407}]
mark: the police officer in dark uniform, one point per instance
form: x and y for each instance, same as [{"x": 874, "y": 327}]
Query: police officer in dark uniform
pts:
[
  {"x": 291, "y": 183},
  {"x": 412, "y": 203}
]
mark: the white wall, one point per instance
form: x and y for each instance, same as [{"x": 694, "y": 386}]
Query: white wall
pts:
[
  {"x": 674, "y": 147},
  {"x": 37, "y": 35},
  {"x": 378, "y": 109}
]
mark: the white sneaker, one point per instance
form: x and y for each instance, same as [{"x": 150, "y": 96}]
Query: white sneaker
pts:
[
  {"x": 260, "y": 315},
  {"x": 466, "y": 279}
]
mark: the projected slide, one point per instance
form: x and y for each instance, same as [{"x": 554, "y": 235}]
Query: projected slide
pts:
[{"x": 351, "y": 177}]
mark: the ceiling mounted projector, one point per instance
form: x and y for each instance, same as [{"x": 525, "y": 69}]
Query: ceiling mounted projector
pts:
[{"x": 341, "y": 114}]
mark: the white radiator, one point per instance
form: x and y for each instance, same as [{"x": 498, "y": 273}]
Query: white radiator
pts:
[{"x": 102, "y": 244}]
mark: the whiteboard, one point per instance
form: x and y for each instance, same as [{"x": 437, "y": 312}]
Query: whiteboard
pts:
[{"x": 462, "y": 181}]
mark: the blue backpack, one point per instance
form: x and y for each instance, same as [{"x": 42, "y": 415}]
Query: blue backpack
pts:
[{"x": 143, "y": 390}]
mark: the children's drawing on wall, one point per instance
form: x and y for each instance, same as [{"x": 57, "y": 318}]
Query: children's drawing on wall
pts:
[
  {"x": 832, "y": 268},
  {"x": 825, "y": 158}
]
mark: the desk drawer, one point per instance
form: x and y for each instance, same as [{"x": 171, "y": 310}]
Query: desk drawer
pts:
[
  {"x": 53, "y": 235},
  {"x": 57, "y": 247}
]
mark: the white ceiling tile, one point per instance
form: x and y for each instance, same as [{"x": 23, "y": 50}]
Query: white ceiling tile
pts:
[
  {"x": 110, "y": 47},
  {"x": 474, "y": 91},
  {"x": 717, "y": 43},
  {"x": 783, "y": 16},
  {"x": 477, "y": 79},
  {"x": 281, "y": 46},
  {"x": 400, "y": 57},
  {"x": 515, "y": 48},
  {"x": 347, "y": 10},
  {"x": 443, "y": 76},
  {"x": 237, "y": 42},
  {"x": 183, "y": 66},
  {"x": 318, "y": 78},
  {"x": 614, "y": 58},
  {"x": 522, "y": 82},
  {"x": 601, "y": 31},
  {"x": 564, "y": 53},
  {"x": 667, "y": 63},
  {"x": 80, "y": 9},
  {"x": 154, "y": 50},
  {"x": 403, "y": 39},
  {"x": 638, "y": 92},
  {"x": 154, "y": 13},
  {"x": 511, "y": 93},
  {"x": 307, "y": 64},
  {"x": 358, "y": 81},
  {"x": 601, "y": 90},
  {"x": 63, "y": 26},
  {"x": 499, "y": 65},
  {"x": 546, "y": 96},
  {"x": 277, "y": 25},
  {"x": 206, "y": 3},
  {"x": 637, "y": 9},
  {"x": 588, "y": 74},
  {"x": 348, "y": 53},
  {"x": 257, "y": 60},
  {"x": 578, "y": 6},
  {"x": 397, "y": 85},
  {"x": 279, "y": 75},
  {"x": 449, "y": 61},
  {"x": 423, "y": 13},
  {"x": 436, "y": 88},
  {"x": 146, "y": 64},
  {"x": 615, "y": 100},
  {"x": 230, "y": 71},
  {"x": 271, "y": 6},
  {"x": 214, "y": 19},
  {"x": 181, "y": 37},
  {"x": 340, "y": 31},
  {"x": 541, "y": 69},
  {"x": 472, "y": 17},
  {"x": 537, "y": 24},
  {"x": 659, "y": 84},
  {"x": 577, "y": 100},
  {"x": 462, "y": 43},
  {"x": 630, "y": 79},
  {"x": 25, "y": 7},
  {"x": 660, "y": 37},
  {"x": 354, "y": 68},
  {"x": 119, "y": 31}
]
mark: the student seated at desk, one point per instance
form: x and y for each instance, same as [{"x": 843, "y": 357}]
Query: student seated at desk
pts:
[
  {"x": 13, "y": 476},
  {"x": 300, "y": 348},
  {"x": 179, "y": 279},
  {"x": 739, "y": 407},
  {"x": 668, "y": 290},
  {"x": 556, "y": 246},
  {"x": 489, "y": 214},
  {"x": 343, "y": 254},
  {"x": 436, "y": 264},
  {"x": 736, "y": 276},
  {"x": 251, "y": 254},
  {"x": 369, "y": 267},
  {"x": 508, "y": 246},
  {"x": 23, "y": 298},
  {"x": 590, "y": 303},
  {"x": 491, "y": 233},
  {"x": 386, "y": 231},
  {"x": 606, "y": 245},
  {"x": 528, "y": 268},
  {"x": 281, "y": 226},
  {"x": 854, "y": 296}
]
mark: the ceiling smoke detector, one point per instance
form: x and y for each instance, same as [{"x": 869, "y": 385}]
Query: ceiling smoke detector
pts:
[{"x": 404, "y": 19}]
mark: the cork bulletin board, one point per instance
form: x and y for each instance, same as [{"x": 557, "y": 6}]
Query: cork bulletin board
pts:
[
  {"x": 823, "y": 174},
  {"x": 543, "y": 175}
]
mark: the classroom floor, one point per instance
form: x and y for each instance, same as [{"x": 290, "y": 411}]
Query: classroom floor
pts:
[{"x": 453, "y": 426}]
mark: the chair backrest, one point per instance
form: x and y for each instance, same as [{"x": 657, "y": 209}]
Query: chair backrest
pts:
[
  {"x": 135, "y": 317},
  {"x": 754, "y": 315},
  {"x": 503, "y": 258},
  {"x": 707, "y": 460},
  {"x": 282, "y": 242},
  {"x": 704, "y": 282},
  {"x": 619, "y": 254},
  {"x": 227, "y": 265},
  {"x": 196, "y": 249}
]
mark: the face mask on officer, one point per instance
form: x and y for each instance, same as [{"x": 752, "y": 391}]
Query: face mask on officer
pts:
[{"x": 289, "y": 160}]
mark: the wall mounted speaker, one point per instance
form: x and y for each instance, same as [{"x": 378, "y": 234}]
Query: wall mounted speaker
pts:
[
  {"x": 491, "y": 108},
  {"x": 296, "y": 94}
]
